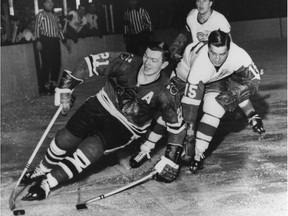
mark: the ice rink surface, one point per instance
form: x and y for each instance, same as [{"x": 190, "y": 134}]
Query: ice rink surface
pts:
[{"x": 245, "y": 175}]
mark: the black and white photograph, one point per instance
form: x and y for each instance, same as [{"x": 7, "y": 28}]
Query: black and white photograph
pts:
[{"x": 143, "y": 108}]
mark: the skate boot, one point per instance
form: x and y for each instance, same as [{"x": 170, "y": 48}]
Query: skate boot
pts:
[
  {"x": 34, "y": 175},
  {"x": 196, "y": 165},
  {"x": 138, "y": 159},
  {"x": 39, "y": 191}
]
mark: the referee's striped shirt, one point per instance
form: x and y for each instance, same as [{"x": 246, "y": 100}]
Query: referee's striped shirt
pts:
[
  {"x": 47, "y": 24},
  {"x": 138, "y": 20}
]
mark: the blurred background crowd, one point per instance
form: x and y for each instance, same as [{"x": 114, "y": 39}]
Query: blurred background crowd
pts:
[{"x": 102, "y": 17}]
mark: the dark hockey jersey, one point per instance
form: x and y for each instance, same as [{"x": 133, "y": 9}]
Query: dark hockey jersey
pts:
[{"x": 135, "y": 106}]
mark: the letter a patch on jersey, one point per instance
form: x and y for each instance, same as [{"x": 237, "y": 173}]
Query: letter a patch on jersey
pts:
[{"x": 148, "y": 97}]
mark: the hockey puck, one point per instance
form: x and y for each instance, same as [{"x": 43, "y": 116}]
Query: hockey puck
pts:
[
  {"x": 19, "y": 212},
  {"x": 81, "y": 206}
]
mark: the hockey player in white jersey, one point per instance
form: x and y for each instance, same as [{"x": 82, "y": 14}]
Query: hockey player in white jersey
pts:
[
  {"x": 201, "y": 21},
  {"x": 207, "y": 70}
]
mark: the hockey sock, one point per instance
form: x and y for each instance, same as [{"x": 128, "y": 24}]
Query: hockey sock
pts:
[
  {"x": 206, "y": 130},
  {"x": 53, "y": 155},
  {"x": 247, "y": 107}
]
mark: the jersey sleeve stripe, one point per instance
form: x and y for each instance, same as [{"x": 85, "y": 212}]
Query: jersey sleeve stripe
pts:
[{"x": 89, "y": 64}]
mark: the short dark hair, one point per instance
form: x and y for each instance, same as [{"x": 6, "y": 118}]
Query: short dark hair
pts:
[
  {"x": 219, "y": 38},
  {"x": 162, "y": 47}
]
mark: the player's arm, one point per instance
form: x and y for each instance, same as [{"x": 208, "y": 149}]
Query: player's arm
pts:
[
  {"x": 101, "y": 64},
  {"x": 168, "y": 166},
  {"x": 248, "y": 78}
]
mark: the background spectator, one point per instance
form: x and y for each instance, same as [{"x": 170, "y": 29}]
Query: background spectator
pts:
[
  {"x": 76, "y": 23},
  {"x": 92, "y": 19}
]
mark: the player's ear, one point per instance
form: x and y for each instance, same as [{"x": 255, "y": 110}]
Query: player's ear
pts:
[
  {"x": 211, "y": 3},
  {"x": 164, "y": 64}
]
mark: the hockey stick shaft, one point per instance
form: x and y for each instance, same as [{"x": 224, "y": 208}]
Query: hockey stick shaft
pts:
[
  {"x": 121, "y": 189},
  {"x": 13, "y": 194}
]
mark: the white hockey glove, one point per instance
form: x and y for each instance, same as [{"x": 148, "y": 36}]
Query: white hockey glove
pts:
[
  {"x": 64, "y": 97},
  {"x": 167, "y": 170},
  {"x": 168, "y": 167}
]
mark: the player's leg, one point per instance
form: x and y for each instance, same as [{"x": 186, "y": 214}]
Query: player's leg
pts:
[
  {"x": 63, "y": 142},
  {"x": 67, "y": 139},
  {"x": 89, "y": 151},
  {"x": 208, "y": 124}
]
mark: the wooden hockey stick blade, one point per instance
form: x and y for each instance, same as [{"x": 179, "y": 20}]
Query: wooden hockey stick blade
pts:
[
  {"x": 13, "y": 195},
  {"x": 19, "y": 212},
  {"x": 83, "y": 205}
]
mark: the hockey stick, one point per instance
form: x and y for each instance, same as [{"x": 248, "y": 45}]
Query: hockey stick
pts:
[
  {"x": 12, "y": 197},
  {"x": 83, "y": 205}
]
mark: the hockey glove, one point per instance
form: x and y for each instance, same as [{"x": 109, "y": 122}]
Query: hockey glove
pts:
[
  {"x": 167, "y": 170},
  {"x": 228, "y": 100},
  {"x": 64, "y": 97},
  {"x": 127, "y": 57},
  {"x": 256, "y": 123}
]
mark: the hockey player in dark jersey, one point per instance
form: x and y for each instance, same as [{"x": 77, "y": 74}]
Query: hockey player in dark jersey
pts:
[{"x": 136, "y": 91}]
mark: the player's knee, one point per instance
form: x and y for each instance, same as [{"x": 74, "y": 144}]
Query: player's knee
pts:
[
  {"x": 66, "y": 140},
  {"x": 93, "y": 148},
  {"x": 211, "y": 106}
]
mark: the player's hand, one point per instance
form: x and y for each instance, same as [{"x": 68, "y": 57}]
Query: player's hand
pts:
[
  {"x": 228, "y": 100},
  {"x": 256, "y": 123},
  {"x": 127, "y": 57},
  {"x": 167, "y": 170},
  {"x": 64, "y": 97}
]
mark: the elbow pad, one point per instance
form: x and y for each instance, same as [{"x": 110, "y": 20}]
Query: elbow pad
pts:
[{"x": 68, "y": 81}]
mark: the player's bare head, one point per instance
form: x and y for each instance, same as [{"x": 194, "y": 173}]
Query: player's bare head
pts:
[
  {"x": 204, "y": 5},
  {"x": 133, "y": 3},
  {"x": 219, "y": 38},
  {"x": 48, "y": 4},
  {"x": 218, "y": 47},
  {"x": 155, "y": 58},
  {"x": 161, "y": 47}
]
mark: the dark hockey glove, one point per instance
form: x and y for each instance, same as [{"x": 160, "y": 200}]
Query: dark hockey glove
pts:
[
  {"x": 256, "y": 123},
  {"x": 128, "y": 57},
  {"x": 168, "y": 168},
  {"x": 229, "y": 100}
]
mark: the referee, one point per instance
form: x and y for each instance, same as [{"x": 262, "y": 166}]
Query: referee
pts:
[
  {"x": 137, "y": 28},
  {"x": 47, "y": 33}
]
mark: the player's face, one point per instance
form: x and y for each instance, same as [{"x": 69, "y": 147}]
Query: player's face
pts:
[
  {"x": 48, "y": 5},
  {"x": 153, "y": 62},
  {"x": 218, "y": 55},
  {"x": 203, "y": 6}
]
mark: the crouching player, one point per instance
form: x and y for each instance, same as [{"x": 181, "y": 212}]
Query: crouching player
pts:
[
  {"x": 136, "y": 90},
  {"x": 209, "y": 71}
]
